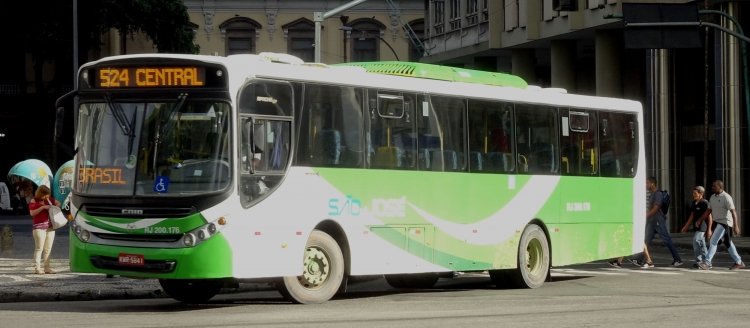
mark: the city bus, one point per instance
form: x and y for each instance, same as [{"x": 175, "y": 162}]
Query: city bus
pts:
[{"x": 204, "y": 172}]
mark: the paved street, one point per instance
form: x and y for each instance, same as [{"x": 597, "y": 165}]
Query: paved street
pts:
[{"x": 18, "y": 284}]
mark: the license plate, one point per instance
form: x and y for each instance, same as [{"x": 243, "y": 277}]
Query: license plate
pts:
[{"x": 130, "y": 259}]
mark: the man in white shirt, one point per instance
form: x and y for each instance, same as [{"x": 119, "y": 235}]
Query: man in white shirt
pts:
[{"x": 721, "y": 206}]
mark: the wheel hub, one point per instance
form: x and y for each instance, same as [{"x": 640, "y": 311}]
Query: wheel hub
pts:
[{"x": 316, "y": 268}]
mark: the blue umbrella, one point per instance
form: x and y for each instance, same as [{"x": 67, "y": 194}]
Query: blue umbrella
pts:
[{"x": 32, "y": 170}]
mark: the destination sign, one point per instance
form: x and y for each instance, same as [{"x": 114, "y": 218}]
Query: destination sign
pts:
[{"x": 150, "y": 77}]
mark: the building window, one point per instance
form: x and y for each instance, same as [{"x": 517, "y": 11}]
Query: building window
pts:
[
  {"x": 472, "y": 12},
  {"x": 485, "y": 11},
  {"x": 300, "y": 37},
  {"x": 416, "y": 46},
  {"x": 438, "y": 16},
  {"x": 455, "y": 14},
  {"x": 240, "y": 34},
  {"x": 365, "y": 39},
  {"x": 511, "y": 15}
]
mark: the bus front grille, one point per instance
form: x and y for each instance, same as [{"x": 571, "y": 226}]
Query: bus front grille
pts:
[
  {"x": 153, "y": 238},
  {"x": 140, "y": 212}
]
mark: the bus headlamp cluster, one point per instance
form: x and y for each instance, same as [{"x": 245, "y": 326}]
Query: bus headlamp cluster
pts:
[
  {"x": 203, "y": 233},
  {"x": 83, "y": 234}
]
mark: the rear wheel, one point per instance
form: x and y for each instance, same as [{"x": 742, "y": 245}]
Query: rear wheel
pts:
[
  {"x": 413, "y": 280},
  {"x": 533, "y": 262},
  {"x": 322, "y": 271},
  {"x": 191, "y": 290}
]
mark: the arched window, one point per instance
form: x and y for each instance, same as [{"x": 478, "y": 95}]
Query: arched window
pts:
[
  {"x": 300, "y": 39},
  {"x": 240, "y": 34},
  {"x": 416, "y": 39},
  {"x": 365, "y": 35}
]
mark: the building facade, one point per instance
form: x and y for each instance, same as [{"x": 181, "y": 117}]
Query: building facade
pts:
[
  {"x": 371, "y": 31},
  {"x": 691, "y": 90}
]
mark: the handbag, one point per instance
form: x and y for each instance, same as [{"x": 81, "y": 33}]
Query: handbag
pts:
[{"x": 56, "y": 217}]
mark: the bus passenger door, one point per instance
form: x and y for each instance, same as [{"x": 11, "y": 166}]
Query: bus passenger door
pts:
[
  {"x": 265, "y": 126},
  {"x": 264, "y": 154}
]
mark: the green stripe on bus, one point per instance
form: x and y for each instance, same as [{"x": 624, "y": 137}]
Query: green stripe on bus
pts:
[{"x": 439, "y": 72}]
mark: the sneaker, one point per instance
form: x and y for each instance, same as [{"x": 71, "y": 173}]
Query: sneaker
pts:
[
  {"x": 676, "y": 263},
  {"x": 636, "y": 262},
  {"x": 647, "y": 265},
  {"x": 702, "y": 266},
  {"x": 736, "y": 266},
  {"x": 615, "y": 264}
]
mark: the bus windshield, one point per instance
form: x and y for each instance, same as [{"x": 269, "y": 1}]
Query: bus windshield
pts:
[{"x": 174, "y": 148}]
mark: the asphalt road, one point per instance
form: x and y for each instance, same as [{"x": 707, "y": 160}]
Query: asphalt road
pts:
[{"x": 591, "y": 295}]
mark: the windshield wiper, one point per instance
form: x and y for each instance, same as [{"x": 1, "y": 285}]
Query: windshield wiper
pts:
[
  {"x": 119, "y": 114},
  {"x": 164, "y": 129}
]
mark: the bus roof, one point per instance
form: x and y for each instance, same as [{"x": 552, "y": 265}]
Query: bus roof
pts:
[{"x": 446, "y": 81}]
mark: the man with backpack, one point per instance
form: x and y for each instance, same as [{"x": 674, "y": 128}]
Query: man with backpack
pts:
[{"x": 656, "y": 219}]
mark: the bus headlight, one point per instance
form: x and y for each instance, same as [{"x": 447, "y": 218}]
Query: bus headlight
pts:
[
  {"x": 203, "y": 233},
  {"x": 212, "y": 228},
  {"x": 189, "y": 240},
  {"x": 85, "y": 235}
]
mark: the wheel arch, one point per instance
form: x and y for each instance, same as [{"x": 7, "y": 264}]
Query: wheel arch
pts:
[{"x": 336, "y": 232}]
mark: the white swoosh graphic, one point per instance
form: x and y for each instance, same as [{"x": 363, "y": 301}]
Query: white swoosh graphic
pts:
[{"x": 504, "y": 223}]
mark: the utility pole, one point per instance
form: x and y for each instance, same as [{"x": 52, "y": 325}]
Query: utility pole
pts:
[{"x": 319, "y": 17}]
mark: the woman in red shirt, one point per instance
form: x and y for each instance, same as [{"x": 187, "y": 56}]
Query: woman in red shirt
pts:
[{"x": 42, "y": 230}]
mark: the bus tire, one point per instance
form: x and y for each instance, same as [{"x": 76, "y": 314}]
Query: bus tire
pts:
[
  {"x": 412, "y": 280},
  {"x": 323, "y": 272},
  {"x": 533, "y": 262},
  {"x": 191, "y": 290}
]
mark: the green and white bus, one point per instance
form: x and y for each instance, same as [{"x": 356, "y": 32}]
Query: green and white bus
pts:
[{"x": 205, "y": 171}]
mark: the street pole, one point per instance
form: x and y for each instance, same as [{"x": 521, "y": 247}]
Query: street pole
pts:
[
  {"x": 319, "y": 17},
  {"x": 75, "y": 42}
]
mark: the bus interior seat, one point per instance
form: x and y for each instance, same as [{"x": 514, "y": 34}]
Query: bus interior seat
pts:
[
  {"x": 327, "y": 148},
  {"x": 476, "y": 161},
  {"x": 388, "y": 157},
  {"x": 444, "y": 160},
  {"x": 500, "y": 161},
  {"x": 543, "y": 158},
  {"x": 424, "y": 158}
]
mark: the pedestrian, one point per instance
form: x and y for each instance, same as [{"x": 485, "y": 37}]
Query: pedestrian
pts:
[
  {"x": 656, "y": 221},
  {"x": 647, "y": 263},
  {"x": 42, "y": 230},
  {"x": 721, "y": 207},
  {"x": 698, "y": 206}
]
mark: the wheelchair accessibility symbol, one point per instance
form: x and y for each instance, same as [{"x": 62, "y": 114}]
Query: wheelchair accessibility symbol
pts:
[{"x": 161, "y": 184}]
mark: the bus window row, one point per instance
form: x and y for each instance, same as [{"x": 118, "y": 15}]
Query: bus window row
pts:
[{"x": 351, "y": 127}]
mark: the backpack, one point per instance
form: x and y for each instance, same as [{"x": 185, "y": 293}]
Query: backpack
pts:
[{"x": 665, "y": 199}]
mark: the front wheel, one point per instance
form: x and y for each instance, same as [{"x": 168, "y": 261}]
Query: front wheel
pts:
[
  {"x": 533, "y": 261},
  {"x": 191, "y": 290},
  {"x": 322, "y": 271}
]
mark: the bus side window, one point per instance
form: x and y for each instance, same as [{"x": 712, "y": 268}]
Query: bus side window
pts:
[
  {"x": 580, "y": 155},
  {"x": 618, "y": 141},
  {"x": 330, "y": 127},
  {"x": 537, "y": 139}
]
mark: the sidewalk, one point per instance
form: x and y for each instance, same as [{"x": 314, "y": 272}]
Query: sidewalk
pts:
[{"x": 19, "y": 284}]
